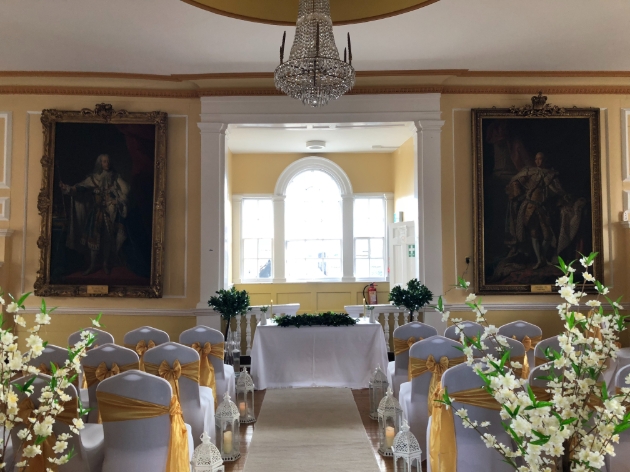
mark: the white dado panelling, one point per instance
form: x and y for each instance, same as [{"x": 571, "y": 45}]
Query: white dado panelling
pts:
[{"x": 5, "y": 208}]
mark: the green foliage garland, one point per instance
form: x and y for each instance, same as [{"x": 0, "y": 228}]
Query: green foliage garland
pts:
[{"x": 317, "y": 319}]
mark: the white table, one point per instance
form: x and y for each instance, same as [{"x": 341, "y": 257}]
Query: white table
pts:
[{"x": 322, "y": 356}]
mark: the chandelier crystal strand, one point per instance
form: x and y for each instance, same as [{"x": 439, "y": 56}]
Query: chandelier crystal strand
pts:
[{"x": 314, "y": 73}]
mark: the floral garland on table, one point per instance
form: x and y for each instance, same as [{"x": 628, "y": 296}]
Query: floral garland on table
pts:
[
  {"x": 580, "y": 422},
  {"x": 319, "y": 319},
  {"x": 13, "y": 364}
]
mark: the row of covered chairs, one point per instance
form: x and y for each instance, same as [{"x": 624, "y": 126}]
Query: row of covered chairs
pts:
[{"x": 186, "y": 367}]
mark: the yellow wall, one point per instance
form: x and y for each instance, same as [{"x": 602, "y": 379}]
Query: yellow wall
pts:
[
  {"x": 258, "y": 173},
  {"x": 182, "y": 213},
  {"x": 404, "y": 171},
  {"x": 457, "y": 192}
]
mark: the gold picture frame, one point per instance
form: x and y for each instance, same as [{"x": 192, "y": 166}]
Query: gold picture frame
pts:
[
  {"x": 102, "y": 203},
  {"x": 537, "y": 195}
]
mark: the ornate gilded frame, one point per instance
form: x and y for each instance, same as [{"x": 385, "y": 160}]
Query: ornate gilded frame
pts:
[
  {"x": 539, "y": 109},
  {"x": 102, "y": 113}
]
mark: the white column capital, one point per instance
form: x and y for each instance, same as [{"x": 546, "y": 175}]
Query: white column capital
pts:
[
  {"x": 429, "y": 125},
  {"x": 237, "y": 198},
  {"x": 348, "y": 197},
  {"x": 278, "y": 198},
  {"x": 214, "y": 128}
]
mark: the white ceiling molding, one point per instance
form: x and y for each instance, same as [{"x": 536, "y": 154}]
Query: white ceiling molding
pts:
[{"x": 172, "y": 37}]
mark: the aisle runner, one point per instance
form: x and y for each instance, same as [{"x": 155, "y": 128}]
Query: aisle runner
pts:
[{"x": 310, "y": 430}]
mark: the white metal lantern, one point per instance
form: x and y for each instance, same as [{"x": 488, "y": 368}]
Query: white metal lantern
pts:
[
  {"x": 389, "y": 422},
  {"x": 207, "y": 457},
  {"x": 227, "y": 426},
  {"x": 378, "y": 389},
  {"x": 245, "y": 397},
  {"x": 406, "y": 450}
]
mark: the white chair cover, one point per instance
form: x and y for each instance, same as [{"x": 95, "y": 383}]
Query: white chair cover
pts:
[
  {"x": 521, "y": 329},
  {"x": 516, "y": 348},
  {"x": 621, "y": 461},
  {"x": 552, "y": 343},
  {"x": 397, "y": 369},
  {"x": 470, "y": 328},
  {"x": 81, "y": 461},
  {"x": 413, "y": 396},
  {"x": 102, "y": 337},
  {"x": 146, "y": 333},
  {"x": 223, "y": 373},
  {"x": 197, "y": 402},
  {"x": 472, "y": 453},
  {"x": 138, "y": 445},
  {"x": 108, "y": 353},
  {"x": 51, "y": 353}
]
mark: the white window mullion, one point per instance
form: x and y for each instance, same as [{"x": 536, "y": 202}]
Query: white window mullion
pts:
[
  {"x": 279, "y": 259},
  {"x": 348, "y": 238}
]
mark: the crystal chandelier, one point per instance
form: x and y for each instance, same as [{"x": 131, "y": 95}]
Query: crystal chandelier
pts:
[{"x": 314, "y": 72}]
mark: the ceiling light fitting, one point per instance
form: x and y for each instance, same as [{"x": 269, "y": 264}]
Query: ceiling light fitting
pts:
[
  {"x": 314, "y": 73},
  {"x": 315, "y": 145}
]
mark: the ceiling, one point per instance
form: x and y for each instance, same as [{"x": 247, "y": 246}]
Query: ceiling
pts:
[
  {"x": 173, "y": 37},
  {"x": 343, "y": 137}
]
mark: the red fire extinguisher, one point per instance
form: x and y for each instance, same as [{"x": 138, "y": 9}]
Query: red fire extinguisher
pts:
[{"x": 371, "y": 295}]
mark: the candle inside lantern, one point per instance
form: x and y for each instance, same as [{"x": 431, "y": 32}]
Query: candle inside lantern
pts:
[
  {"x": 227, "y": 442},
  {"x": 390, "y": 432},
  {"x": 241, "y": 408}
]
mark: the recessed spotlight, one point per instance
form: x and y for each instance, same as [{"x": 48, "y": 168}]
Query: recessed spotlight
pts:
[{"x": 315, "y": 145}]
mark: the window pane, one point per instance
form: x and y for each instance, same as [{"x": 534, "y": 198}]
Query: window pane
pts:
[
  {"x": 362, "y": 248},
  {"x": 376, "y": 248},
  {"x": 250, "y": 248},
  {"x": 264, "y": 248},
  {"x": 363, "y": 268},
  {"x": 250, "y": 268},
  {"x": 264, "y": 268},
  {"x": 257, "y": 216},
  {"x": 369, "y": 217},
  {"x": 376, "y": 268}
]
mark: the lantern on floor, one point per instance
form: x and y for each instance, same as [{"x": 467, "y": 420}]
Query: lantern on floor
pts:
[
  {"x": 378, "y": 388},
  {"x": 227, "y": 427},
  {"x": 207, "y": 457},
  {"x": 389, "y": 422},
  {"x": 406, "y": 450},
  {"x": 245, "y": 397}
]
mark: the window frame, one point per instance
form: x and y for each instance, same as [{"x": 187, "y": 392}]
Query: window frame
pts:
[
  {"x": 241, "y": 259},
  {"x": 279, "y": 241}
]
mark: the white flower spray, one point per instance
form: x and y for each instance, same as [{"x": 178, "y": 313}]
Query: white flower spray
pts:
[
  {"x": 14, "y": 364},
  {"x": 580, "y": 422}
]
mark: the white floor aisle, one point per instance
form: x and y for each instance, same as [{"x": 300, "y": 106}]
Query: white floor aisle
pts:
[{"x": 310, "y": 430}]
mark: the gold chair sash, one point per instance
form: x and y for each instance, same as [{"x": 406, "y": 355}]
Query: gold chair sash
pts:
[
  {"x": 118, "y": 408},
  {"x": 172, "y": 374},
  {"x": 518, "y": 371},
  {"x": 141, "y": 347},
  {"x": 540, "y": 361},
  {"x": 206, "y": 369},
  {"x": 417, "y": 367},
  {"x": 94, "y": 375},
  {"x": 40, "y": 462},
  {"x": 442, "y": 445},
  {"x": 403, "y": 345},
  {"x": 529, "y": 344}
]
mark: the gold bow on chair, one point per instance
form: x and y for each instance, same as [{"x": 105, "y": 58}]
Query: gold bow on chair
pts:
[
  {"x": 141, "y": 347},
  {"x": 529, "y": 344},
  {"x": 172, "y": 374},
  {"x": 417, "y": 367},
  {"x": 94, "y": 375},
  {"x": 206, "y": 369},
  {"x": 40, "y": 462},
  {"x": 442, "y": 441},
  {"x": 117, "y": 408},
  {"x": 402, "y": 345}
]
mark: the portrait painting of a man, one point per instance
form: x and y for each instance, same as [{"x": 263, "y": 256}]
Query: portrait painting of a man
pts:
[
  {"x": 538, "y": 199},
  {"x": 103, "y": 209}
]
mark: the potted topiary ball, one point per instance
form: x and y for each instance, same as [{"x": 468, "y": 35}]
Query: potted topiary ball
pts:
[
  {"x": 230, "y": 303},
  {"x": 414, "y": 297}
]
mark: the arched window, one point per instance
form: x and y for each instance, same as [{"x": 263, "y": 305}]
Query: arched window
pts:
[{"x": 313, "y": 226}]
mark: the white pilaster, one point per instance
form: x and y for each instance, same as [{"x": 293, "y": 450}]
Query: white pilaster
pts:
[
  {"x": 347, "y": 211},
  {"x": 212, "y": 274},
  {"x": 279, "y": 275},
  {"x": 429, "y": 188}
]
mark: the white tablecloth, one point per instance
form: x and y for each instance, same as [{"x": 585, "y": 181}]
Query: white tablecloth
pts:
[{"x": 323, "y": 356}]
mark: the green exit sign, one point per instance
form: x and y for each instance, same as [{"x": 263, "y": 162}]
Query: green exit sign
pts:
[{"x": 411, "y": 248}]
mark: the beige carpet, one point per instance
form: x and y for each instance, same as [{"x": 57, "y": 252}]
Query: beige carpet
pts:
[{"x": 310, "y": 430}]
